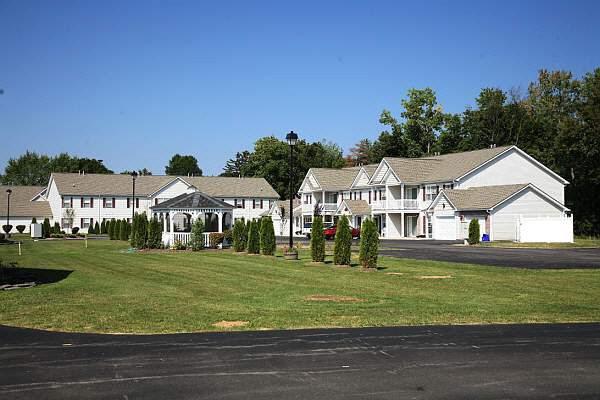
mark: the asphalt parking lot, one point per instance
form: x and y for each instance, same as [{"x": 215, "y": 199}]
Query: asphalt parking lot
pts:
[{"x": 536, "y": 361}]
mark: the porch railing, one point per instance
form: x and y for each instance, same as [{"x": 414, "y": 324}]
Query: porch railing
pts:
[
  {"x": 404, "y": 204},
  {"x": 325, "y": 207}
]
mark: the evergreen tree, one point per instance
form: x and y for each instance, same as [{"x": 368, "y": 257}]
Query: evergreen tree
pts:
[
  {"x": 267, "y": 237},
  {"x": 103, "y": 227},
  {"x": 474, "y": 231},
  {"x": 118, "y": 226},
  {"x": 197, "y": 242},
  {"x": 246, "y": 233},
  {"x": 123, "y": 232},
  {"x": 56, "y": 228},
  {"x": 343, "y": 242},
  {"x": 253, "y": 238},
  {"x": 369, "y": 244},
  {"x": 34, "y": 220},
  {"x": 134, "y": 231},
  {"x": 239, "y": 239},
  {"x": 317, "y": 240},
  {"x": 97, "y": 228},
  {"x": 46, "y": 230},
  {"x": 111, "y": 229},
  {"x": 154, "y": 234}
]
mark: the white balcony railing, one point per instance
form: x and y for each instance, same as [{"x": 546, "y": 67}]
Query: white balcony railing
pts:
[
  {"x": 405, "y": 204},
  {"x": 325, "y": 207}
]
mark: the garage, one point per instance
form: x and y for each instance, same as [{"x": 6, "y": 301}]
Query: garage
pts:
[{"x": 444, "y": 227}]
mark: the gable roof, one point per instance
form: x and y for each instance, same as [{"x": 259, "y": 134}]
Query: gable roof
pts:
[
  {"x": 481, "y": 198},
  {"x": 121, "y": 185},
  {"x": 443, "y": 168},
  {"x": 285, "y": 204},
  {"x": 335, "y": 179},
  {"x": 356, "y": 207},
  {"x": 21, "y": 204},
  {"x": 192, "y": 200}
]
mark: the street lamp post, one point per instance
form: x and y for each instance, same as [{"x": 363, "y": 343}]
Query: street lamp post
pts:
[
  {"x": 8, "y": 193},
  {"x": 291, "y": 138},
  {"x": 133, "y": 176}
]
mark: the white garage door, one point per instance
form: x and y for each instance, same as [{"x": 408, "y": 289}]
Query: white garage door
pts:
[{"x": 444, "y": 228}]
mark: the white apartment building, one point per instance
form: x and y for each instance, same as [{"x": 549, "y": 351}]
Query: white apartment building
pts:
[{"x": 508, "y": 191}]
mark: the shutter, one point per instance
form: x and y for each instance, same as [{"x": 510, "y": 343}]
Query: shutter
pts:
[
  {"x": 235, "y": 202},
  {"x": 91, "y": 202},
  {"x": 423, "y": 193},
  {"x": 253, "y": 203},
  {"x": 375, "y": 194},
  {"x": 261, "y": 203},
  {"x": 128, "y": 202},
  {"x": 81, "y": 202},
  {"x": 113, "y": 202},
  {"x": 81, "y": 225},
  {"x": 71, "y": 202},
  {"x": 243, "y": 203},
  {"x": 155, "y": 201},
  {"x": 369, "y": 197},
  {"x": 137, "y": 202},
  {"x": 91, "y": 221},
  {"x": 360, "y": 195},
  {"x": 104, "y": 202}
]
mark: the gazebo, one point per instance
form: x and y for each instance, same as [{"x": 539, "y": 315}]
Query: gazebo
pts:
[{"x": 179, "y": 213}]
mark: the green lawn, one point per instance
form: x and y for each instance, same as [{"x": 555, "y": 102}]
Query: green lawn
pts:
[
  {"x": 579, "y": 242},
  {"x": 111, "y": 290}
]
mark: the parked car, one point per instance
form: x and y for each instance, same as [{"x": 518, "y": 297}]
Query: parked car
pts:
[
  {"x": 326, "y": 225},
  {"x": 330, "y": 232}
]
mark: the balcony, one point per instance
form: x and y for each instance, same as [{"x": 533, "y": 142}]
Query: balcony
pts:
[
  {"x": 327, "y": 208},
  {"x": 405, "y": 204}
]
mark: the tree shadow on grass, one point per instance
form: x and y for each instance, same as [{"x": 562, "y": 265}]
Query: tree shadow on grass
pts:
[{"x": 15, "y": 276}]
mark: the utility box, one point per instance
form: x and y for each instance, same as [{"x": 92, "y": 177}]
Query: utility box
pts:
[{"x": 36, "y": 230}]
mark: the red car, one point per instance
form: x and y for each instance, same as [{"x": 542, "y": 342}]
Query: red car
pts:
[{"x": 330, "y": 232}]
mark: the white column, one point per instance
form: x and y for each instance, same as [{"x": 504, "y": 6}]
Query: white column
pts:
[
  {"x": 220, "y": 217},
  {"x": 402, "y": 195},
  {"x": 164, "y": 222},
  {"x": 402, "y": 225}
]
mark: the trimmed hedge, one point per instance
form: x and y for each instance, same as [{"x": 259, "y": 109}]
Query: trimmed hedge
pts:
[
  {"x": 474, "y": 231},
  {"x": 46, "y": 230},
  {"x": 369, "y": 244},
  {"x": 267, "y": 237},
  {"x": 21, "y": 228},
  {"x": 343, "y": 242},
  {"x": 215, "y": 238},
  {"x": 317, "y": 240},
  {"x": 74, "y": 230},
  {"x": 154, "y": 240},
  {"x": 7, "y": 228}
]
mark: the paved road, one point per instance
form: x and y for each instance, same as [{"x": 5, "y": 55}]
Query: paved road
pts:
[
  {"x": 466, "y": 362},
  {"x": 452, "y": 251}
]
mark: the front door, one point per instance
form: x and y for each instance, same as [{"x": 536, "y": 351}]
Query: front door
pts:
[
  {"x": 411, "y": 226},
  {"x": 358, "y": 222}
]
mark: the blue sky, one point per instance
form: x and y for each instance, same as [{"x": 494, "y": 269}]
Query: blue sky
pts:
[{"x": 133, "y": 83}]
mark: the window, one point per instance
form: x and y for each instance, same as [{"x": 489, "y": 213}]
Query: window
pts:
[
  {"x": 108, "y": 203},
  {"x": 448, "y": 186},
  {"x": 87, "y": 202},
  {"x": 328, "y": 217},
  {"x": 128, "y": 202},
  {"x": 86, "y": 222},
  {"x": 308, "y": 199},
  {"x": 308, "y": 219},
  {"x": 253, "y": 203},
  {"x": 381, "y": 194},
  {"x": 430, "y": 192},
  {"x": 239, "y": 203},
  {"x": 67, "y": 202},
  {"x": 65, "y": 223}
]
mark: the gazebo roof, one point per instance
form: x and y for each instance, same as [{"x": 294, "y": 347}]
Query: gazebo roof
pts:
[{"x": 192, "y": 201}]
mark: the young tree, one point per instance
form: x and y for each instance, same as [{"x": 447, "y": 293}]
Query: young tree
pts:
[
  {"x": 369, "y": 244},
  {"x": 474, "y": 231},
  {"x": 56, "y": 228},
  {"x": 118, "y": 227},
  {"x": 123, "y": 234},
  {"x": 239, "y": 235},
  {"x": 197, "y": 242},
  {"x": 96, "y": 228},
  {"x": 90, "y": 229},
  {"x": 142, "y": 231},
  {"x": 343, "y": 242},
  {"x": 317, "y": 240},
  {"x": 46, "y": 230},
  {"x": 253, "y": 238},
  {"x": 183, "y": 165},
  {"x": 267, "y": 237},
  {"x": 154, "y": 234},
  {"x": 103, "y": 227}
]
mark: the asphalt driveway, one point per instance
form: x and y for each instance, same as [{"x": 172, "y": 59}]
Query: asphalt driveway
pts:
[
  {"x": 460, "y": 362},
  {"x": 503, "y": 257}
]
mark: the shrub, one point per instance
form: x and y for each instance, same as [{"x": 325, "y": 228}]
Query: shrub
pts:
[
  {"x": 253, "y": 238},
  {"x": 215, "y": 239},
  {"x": 21, "y": 228},
  {"x": 317, "y": 240},
  {"x": 139, "y": 231},
  {"x": 46, "y": 228},
  {"x": 154, "y": 240},
  {"x": 97, "y": 228},
  {"x": 34, "y": 220},
  {"x": 123, "y": 234},
  {"x": 228, "y": 235},
  {"x": 56, "y": 228},
  {"x": 178, "y": 245},
  {"x": 90, "y": 229},
  {"x": 117, "y": 232},
  {"x": 239, "y": 228},
  {"x": 57, "y": 235},
  {"x": 2, "y": 237},
  {"x": 103, "y": 228},
  {"x": 267, "y": 237},
  {"x": 247, "y": 232},
  {"x": 369, "y": 244},
  {"x": 7, "y": 228},
  {"x": 343, "y": 242},
  {"x": 474, "y": 231},
  {"x": 75, "y": 230},
  {"x": 110, "y": 227},
  {"x": 197, "y": 239}
]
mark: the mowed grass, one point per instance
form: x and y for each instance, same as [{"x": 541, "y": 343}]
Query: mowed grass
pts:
[{"x": 111, "y": 290}]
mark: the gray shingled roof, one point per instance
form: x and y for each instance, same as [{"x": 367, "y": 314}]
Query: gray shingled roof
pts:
[
  {"x": 370, "y": 169},
  {"x": 335, "y": 179},
  {"x": 286, "y": 206},
  {"x": 442, "y": 168},
  {"x": 21, "y": 204},
  {"x": 358, "y": 207},
  {"x": 192, "y": 200},
  {"x": 481, "y": 198},
  {"x": 120, "y": 185}
]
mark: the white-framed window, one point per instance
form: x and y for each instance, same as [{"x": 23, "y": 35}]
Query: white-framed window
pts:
[
  {"x": 308, "y": 199},
  {"x": 381, "y": 194},
  {"x": 430, "y": 192},
  {"x": 85, "y": 222},
  {"x": 308, "y": 219},
  {"x": 67, "y": 202},
  {"x": 239, "y": 203},
  {"x": 108, "y": 203},
  {"x": 86, "y": 202},
  {"x": 448, "y": 186},
  {"x": 65, "y": 223}
]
